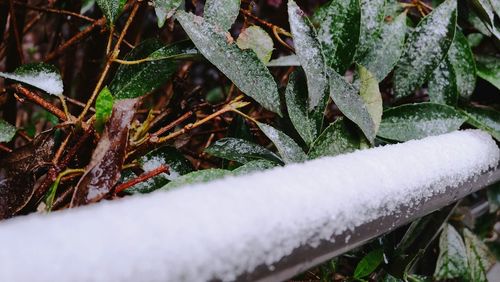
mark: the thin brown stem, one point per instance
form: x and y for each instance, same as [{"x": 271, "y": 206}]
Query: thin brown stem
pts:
[
  {"x": 141, "y": 178},
  {"x": 17, "y": 37},
  {"x": 33, "y": 97},
  {"x": 54, "y": 11},
  {"x": 5, "y": 148},
  {"x": 173, "y": 124}
]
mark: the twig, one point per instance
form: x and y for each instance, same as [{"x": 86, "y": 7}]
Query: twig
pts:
[
  {"x": 40, "y": 101},
  {"x": 54, "y": 11},
  {"x": 5, "y": 148},
  {"x": 173, "y": 123},
  {"x": 141, "y": 178},
  {"x": 13, "y": 22}
]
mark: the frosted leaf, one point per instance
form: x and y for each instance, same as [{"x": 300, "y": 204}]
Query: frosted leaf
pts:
[
  {"x": 339, "y": 25},
  {"x": 87, "y": 5},
  {"x": 242, "y": 67},
  {"x": 372, "y": 17},
  {"x": 462, "y": 60},
  {"x": 289, "y": 151},
  {"x": 199, "y": 176},
  {"x": 7, "y": 131},
  {"x": 296, "y": 103},
  {"x": 240, "y": 150},
  {"x": 164, "y": 9},
  {"x": 111, "y": 9},
  {"x": 452, "y": 260},
  {"x": 308, "y": 49},
  {"x": 346, "y": 97},
  {"x": 254, "y": 166},
  {"x": 443, "y": 84},
  {"x": 479, "y": 257},
  {"x": 495, "y": 4},
  {"x": 257, "y": 40},
  {"x": 336, "y": 139},
  {"x": 284, "y": 61},
  {"x": 426, "y": 47},
  {"x": 222, "y": 13},
  {"x": 485, "y": 119},
  {"x": 488, "y": 68},
  {"x": 387, "y": 49},
  {"x": 370, "y": 93},
  {"x": 415, "y": 121},
  {"x": 40, "y": 75}
]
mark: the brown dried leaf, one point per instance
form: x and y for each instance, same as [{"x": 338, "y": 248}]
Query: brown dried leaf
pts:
[{"x": 103, "y": 171}]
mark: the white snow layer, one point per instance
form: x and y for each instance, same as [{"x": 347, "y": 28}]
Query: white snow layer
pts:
[{"x": 224, "y": 228}]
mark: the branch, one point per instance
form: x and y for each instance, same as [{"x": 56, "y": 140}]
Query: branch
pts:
[
  {"x": 35, "y": 98},
  {"x": 141, "y": 178}
]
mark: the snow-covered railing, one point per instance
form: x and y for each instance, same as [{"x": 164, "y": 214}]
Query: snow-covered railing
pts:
[{"x": 264, "y": 226}]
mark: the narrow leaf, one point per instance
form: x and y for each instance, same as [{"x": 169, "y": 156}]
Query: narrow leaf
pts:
[
  {"x": 372, "y": 17},
  {"x": 461, "y": 58},
  {"x": 336, "y": 139},
  {"x": 240, "y": 150},
  {"x": 257, "y": 40},
  {"x": 289, "y": 150},
  {"x": 416, "y": 121},
  {"x": 370, "y": 93},
  {"x": 111, "y": 9},
  {"x": 425, "y": 49},
  {"x": 197, "y": 177},
  {"x": 369, "y": 263},
  {"x": 103, "y": 108},
  {"x": 488, "y": 68},
  {"x": 222, "y": 13},
  {"x": 164, "y": 9},
  {"x": 40, "y": 75},
  {"x": 7, "y": 131},
  {"x": 254, "y": 166},
  {"x": 479, "y": 257},
  {"x": 452, "y": 259},
  {"x": 485, "y": 119},
  {"x": 443, "y": 84},
  {"x": 242, "y": 67}
]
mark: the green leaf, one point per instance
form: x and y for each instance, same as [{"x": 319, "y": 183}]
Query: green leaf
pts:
[
  {"x": 370, "y": 93},
  {"x": 177, "y": 164},
  {"x": 369, "y": 263},
  {"x": 296, "y": 102},
  {"x": 336, "y": 139},
  {"x": 196, "y": 177},
  {"x": 387, "y": 49},
  {"x": 103, "y": 108},
  {"x": 40, "y": 75},
  {"x": 416, "y": 121},
  {"x": 7, "y": 131},
  {"x": 284, "y": 61},
  {"x": 485, "y": 119},
  {"x": 87, "y": 5},
  {"x": 257, "y": 40},
  {"x": 461, "y": 58},
  {"x": 222, "y": 13},
  {"x": 289, "y": 151},
  {"x": 484, "y": 10},
  {"x": 452, "y": 260},
  {"x": 425, "y": 49},
  {"x": 443, "y": 84},
  {"x": 111, "y": 9},
  {"x": 339, "y": 27},
  {"x": 488, "y": 68},
  {"x": 132, "y": 81},
  {"x": 479, "y": 257},
  {"x": 242, "y": 67},
  {"x": 351, "y": 104},
  {"x": 164, "y": 9},
  {"x": 240, "y": 150},
  {"x": 308, "y": 49},
  {"x": 253, "y": 166},
  {"x": 372, "y": 17}
]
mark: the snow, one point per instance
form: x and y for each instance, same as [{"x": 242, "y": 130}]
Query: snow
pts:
[
  {"x": 223, "y": 228},
  {"x": 47, "y": 81}
]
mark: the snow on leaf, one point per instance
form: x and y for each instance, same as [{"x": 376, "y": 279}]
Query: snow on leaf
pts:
[
  {"x": 336, "y": 139},
  {"x": 416, "y": 121},
  {"x": 346, "y": 97},
  {"x": 7, "y": 131},
  {"x": 485, "y": 119},
  {"x": 443, "y": 84},
  {"x": 426, "y": 47},
  {"x": 199, "y": 176},
  {"x": 479, "y": 257},
  {"x": 372, "y": 17},
  {"x": 462, "y": 60},
  {"x": 240, "y": 150},
  {"x": 222, "y": 13},
  {"x": 242, "y": 67},
  {"x": 488, "y": 68},
  {"x": 289, "y": 151},
  {"x": 386, "y": 51},
  {"x": 252, "y": 166},
  {"x": 111, "y": 9},
  {"x": 40, "y": 75},
  {"x": 284, "y": 61},
  {"x": 339, "y": 25},
  {"x": 164, "y": 9},
  {"x": 103, "y": 108},
  {"x": 256, "y": 39},
  {"x": 308, "y": 49},
  {"x": 452, "y": 260},
  {"x": 370, "y": 93}
]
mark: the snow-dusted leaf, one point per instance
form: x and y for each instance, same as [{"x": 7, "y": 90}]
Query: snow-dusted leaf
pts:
[
  {"x": 346, "y": 97},
  {"x": 336, "y": 139},
  {"x": 256, "y": 39},
  {"x": 296, "y": 102},
  {"x": 485, "y": 119},
  {"x": 479, "y": 257},
  {"x": 164, "y": 9},
  {"x": 369, "y": 263},
  {"x": 7, "y": 131},
  {"x": 495, "y": 4},
  {"x": 240, "y": 150},
  {"x": 452, "y": 260},
  {"x": 372, "y": 17},
  {"x": 253, "y": 166},
  {"x": 426, "y": 47},
  {"x": 386, "y": 51},
  {"x": 488, "y": 68},
  {"x": 443, "y": 84},
  {"x": 289, "y": 151},
  {"x": 87, "y": 5},
  {"x": 416, "y": 121},
  {"x": 111, "y": 9},
  {"x": 462, "y": 60},
  {"x": 40, "y": 75},
  {"x": 196, "y": 177},
  {"x": 370, "y": 93},
  {"x": 222, "y": 13},
  {"x": 284, "y": 61},
  {"x": 308, "y": 49},
  {"x": 339, "y": 25},
  {"x": 484, "y": 9},
  {"x": 242, "y": 67},
  {"x": 103, "y": 108}
]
